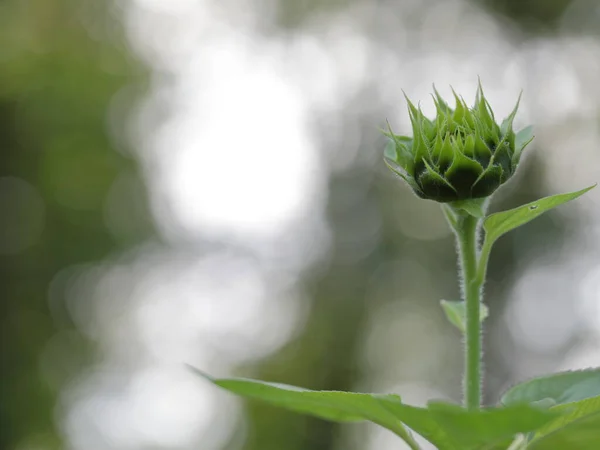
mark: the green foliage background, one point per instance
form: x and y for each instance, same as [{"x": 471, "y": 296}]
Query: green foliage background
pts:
[{"x": 58, "y": 80}]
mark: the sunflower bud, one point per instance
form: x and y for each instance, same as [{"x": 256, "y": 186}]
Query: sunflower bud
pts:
[{"x": 462, "y": 154}]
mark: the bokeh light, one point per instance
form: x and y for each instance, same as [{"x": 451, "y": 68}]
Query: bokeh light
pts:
[{"x": 200, "y": 183}]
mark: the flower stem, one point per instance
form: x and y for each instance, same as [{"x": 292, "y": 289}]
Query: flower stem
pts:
[{"x": 466, "y": 232}]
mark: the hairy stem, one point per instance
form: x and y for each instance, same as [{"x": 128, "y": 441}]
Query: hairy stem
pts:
[{"x": 466, "y": 233}]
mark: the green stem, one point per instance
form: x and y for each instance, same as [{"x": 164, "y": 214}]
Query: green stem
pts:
[
  {"x": 410, "y": 441},
  {"x": 484, "y": 257},
  {"x": 466, "y": 232},
  {"x": 520, "y": 443}
]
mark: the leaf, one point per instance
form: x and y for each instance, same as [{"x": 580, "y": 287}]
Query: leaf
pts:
[
  {"x": 580, "y": 434},
  {"x": 571, "y": 413},
  {"x": 423, "y": 422},
  {"x": 335, "y": 406},
  {"x": 577, "y": 395},
  {"x": 448, "y": 427},
  {"x": 519, "y": 443},
  {"x": 457, "y": 314},
  {"x": 563, "y": 387},
  {"x": 500, "y": 223},
  {"x": 474, "y": 207},
  {"x": 487, "y": 427}
]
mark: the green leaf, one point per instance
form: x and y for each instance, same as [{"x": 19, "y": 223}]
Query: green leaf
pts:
[
  {"x": 448, "y": 427},
  {"x": 580, "y": 434},
  {"x": 490, "y": 427},
  {"x": 335, "y": 406},
  {"x": 563, "y": 387},
  {"x": 571, "y": 412},
  {"x": 474, "y": 206},
  {"x": 577, "y": 395},
  {"x": 423, "y": 422},
  {"x": 500, "y": 223},
  {"x": 456, "y": 313},
  {"x": 519, "y": 443}
]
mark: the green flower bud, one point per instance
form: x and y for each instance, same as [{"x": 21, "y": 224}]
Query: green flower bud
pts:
[{"x": 462, "y": 154}]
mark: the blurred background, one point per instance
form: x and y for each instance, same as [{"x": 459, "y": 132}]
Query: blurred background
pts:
[{"x": 201, "y": 181}]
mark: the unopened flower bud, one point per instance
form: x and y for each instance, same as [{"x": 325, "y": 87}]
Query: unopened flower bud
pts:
[{"x": 462, "y": 154}]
